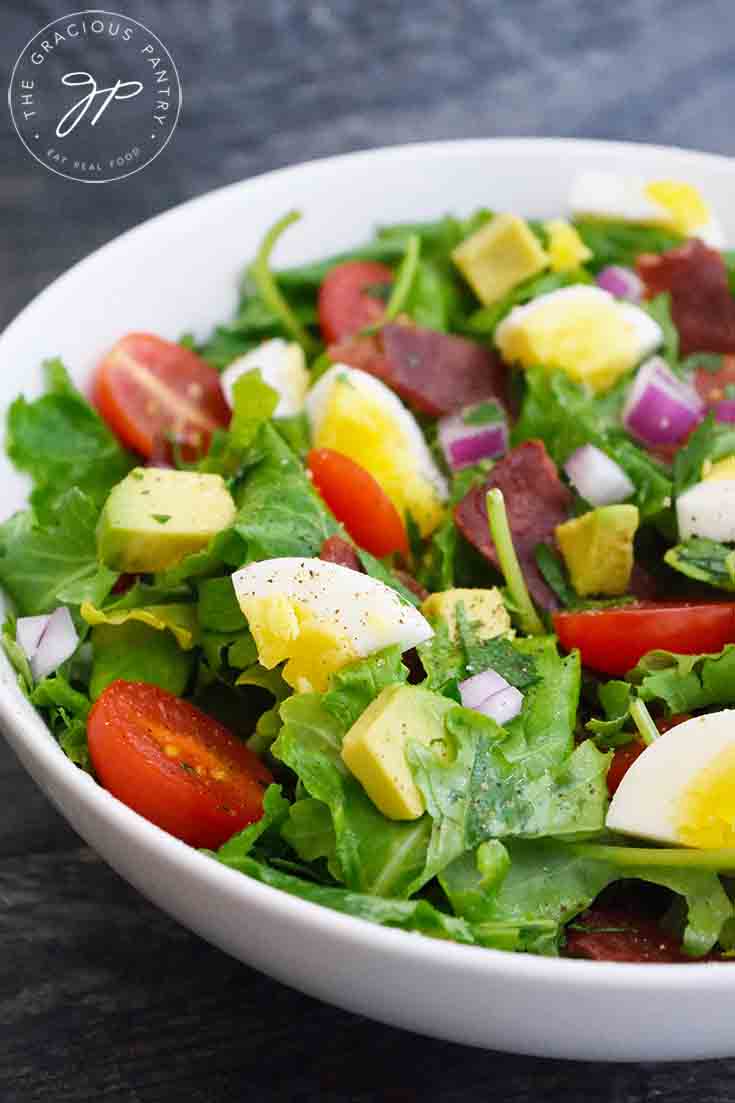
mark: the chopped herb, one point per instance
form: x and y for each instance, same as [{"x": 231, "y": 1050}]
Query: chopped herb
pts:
[
  {"x": 486, "y": 413},
  {"x": 380, "y": 291},
  {"x": 708, "y": 361}
]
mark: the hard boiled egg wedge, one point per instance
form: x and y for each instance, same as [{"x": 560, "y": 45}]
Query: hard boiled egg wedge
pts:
[
  {"x": 672, "y": 204},
  {"x": 681, "y": 790},
  {"x": 581, "y": 330},
  {"x": 320, "y": 616},
  {"x": 282, "y": 367},
  {"x": 707, "y": 509},
  {"x": 352, "y": 412}
]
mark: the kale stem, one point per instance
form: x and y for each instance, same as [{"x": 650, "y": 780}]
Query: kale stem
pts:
[
  {"x": 401, "y": 288},
  {"x": 720, "y": 860},
  {"x": 404, "y": 278},
  {"x": 265, "y": 281},
  {"x": 644, "y": 722},
  {"x": 497, "y": 519}
]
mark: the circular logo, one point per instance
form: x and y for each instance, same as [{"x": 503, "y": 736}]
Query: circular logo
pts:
[{"x": 95, "y": 96}]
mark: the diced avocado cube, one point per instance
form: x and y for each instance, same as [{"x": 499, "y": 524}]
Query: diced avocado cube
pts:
[
  {"x": 154, "y": 517},
  {"x": 485, "y": 607},
  {"x": 499, "y": 256},
  {"x": 374, "y": 749},
  {"x": 598, "y": 549}
]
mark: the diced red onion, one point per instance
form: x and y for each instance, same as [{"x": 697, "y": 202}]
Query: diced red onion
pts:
[
  {"x": 28, "y": 632},
  {"x": 661, "y": 409},
  {"x": 600, "y": 480},
  {"x": 621, "y": 282},
  {"x": 58, "y": 643},
  {"x": 473, "y": 691},
  {"x": 502, "y": 706},
  {"x": 490, "y": 694},
  {"x": 464, "y": 444},
  {"x": 725, "y": 410}
]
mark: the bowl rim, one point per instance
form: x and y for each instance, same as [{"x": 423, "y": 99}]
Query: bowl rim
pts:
[{"x": 23, "y": 726}]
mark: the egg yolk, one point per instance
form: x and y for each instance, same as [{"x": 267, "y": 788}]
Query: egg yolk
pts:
[
  {"x": 285, "y": 629},
  {"x": 707, "y": 810},
  {"x": 722, "y": 469},
  {"x": 589, "y": 340},
  {"x": 687, "y": 210},
  {"x": 565, "y": 249},
  {"x": 360, "y": 427}
]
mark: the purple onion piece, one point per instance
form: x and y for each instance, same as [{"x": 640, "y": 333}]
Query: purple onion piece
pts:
[
  {"x": 488, "y": 444},
  {"x": 464, "y": 444},
  {"x": 725, "y": 410},
  {"x": 600, "y": 480},
  {"x": 28, "y": 633},
  {"x": 661, "y": 409},
  {"x": 57, "y": 644},
  {"x": 621, "y": 282},
  {"x": 503, "y": 705},
  {"x": 477, "y": 689}
]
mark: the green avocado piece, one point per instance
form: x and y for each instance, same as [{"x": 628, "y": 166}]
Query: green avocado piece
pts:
[
  {"x": 155, "y": 517},
  {"x": 598, "y": 549},
  {"x": 374, "y": 749},
  {"x": 499, "y": 256}
]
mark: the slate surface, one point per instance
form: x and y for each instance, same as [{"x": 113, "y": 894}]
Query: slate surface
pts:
[{"x": 102, "y": 997}]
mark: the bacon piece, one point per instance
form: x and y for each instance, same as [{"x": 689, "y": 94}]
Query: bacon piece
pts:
[
  {"x": 434, "y": 372},
  {"x": 617, "y": 934},
  {"x": 536, "y": 502},
  {"x": 702, "y": 307},
  {"x": 336, "y": 550},
  {"x": 411, "y": 583}
]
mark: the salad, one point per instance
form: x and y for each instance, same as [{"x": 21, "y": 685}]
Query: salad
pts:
[{"x": 409, "y": 591}]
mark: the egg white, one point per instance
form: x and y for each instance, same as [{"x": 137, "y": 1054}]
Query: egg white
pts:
[
  {"x": 647, "y": 333},
  {"x": 598, "y": 194},
  {"x": 317, "y": 401},
  {"x": 354, "y": 606},
  {"x": 708, "y": 510},
  {"x": 282, "y": 367},
  {"x": 648, "y": 802}
]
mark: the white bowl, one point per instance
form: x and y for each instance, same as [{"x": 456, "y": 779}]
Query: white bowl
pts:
[{"x": 178, "y": 273}]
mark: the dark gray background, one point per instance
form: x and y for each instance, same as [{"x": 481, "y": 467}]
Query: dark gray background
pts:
[{"x": 101, "y": 996}]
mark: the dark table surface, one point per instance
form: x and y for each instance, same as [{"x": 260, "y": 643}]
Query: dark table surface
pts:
[{"x": 102, "y": 997}]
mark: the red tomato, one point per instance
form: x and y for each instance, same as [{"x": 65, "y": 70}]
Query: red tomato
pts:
[
  {"x": 173, "y": 764},
  {"x": 358, "y": 502},
  {"x": 613, "y": 640},
  {"x": 150, "y": 391},
  {"x": 345, "y": 304},
  {"x": 622, "y": 761},
  {"x": 625, "y": 756}
]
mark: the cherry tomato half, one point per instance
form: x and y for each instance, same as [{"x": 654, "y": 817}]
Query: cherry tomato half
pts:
[
  {"x": 624, "y": 757},
  {"x": 612, "y": 641},
  {"x": 622, "y": 761},
  {"x": 173, "y": 764},
  {"x": 345, "y": 304},
  {"x": 149, "y": 391},
  {"x": 358, "y": 502}
]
